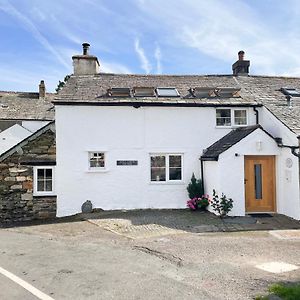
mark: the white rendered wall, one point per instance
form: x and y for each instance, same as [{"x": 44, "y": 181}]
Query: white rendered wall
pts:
[
  {"x": 127, "y": 133},
  {"x": 288, "y": 192},
  {"x": 229, "y": 172}
]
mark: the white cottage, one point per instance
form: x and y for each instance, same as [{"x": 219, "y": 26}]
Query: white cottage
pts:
[{"x": 133, "y": 141}]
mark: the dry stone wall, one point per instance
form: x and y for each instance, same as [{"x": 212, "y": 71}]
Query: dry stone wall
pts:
[{"x": 17, "y": 202}]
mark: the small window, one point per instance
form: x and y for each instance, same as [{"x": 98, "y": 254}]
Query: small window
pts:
[
  {"x": 223, "y": 117},
  {"x": 119, "y": 92},
  {"x": 144, "y": 92},
  {"x": 43, "y": 181},
  {"x": 291, "y": 92},
  {"x": 167, "y": 92},
  {"x": 96, "y": 160},
  {"x": 240, "y": 117},
  {"x": 166, "y": 167}
]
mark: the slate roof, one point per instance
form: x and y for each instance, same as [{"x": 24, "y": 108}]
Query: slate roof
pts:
[
  {"x": 92, "y": 89},
  {"x": 26, "y": 106},
  {"x": 255, "y": 90},
  {"x": 227, "y": 141}
]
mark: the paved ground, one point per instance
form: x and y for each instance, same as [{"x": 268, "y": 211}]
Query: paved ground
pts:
[{"x": 88, "y": 260}]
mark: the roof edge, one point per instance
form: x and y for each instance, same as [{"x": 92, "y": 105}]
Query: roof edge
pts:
[{"x": 33, "y": 136}]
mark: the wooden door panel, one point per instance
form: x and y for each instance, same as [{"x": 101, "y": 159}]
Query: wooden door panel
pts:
[{"x": 260, "y": 183}]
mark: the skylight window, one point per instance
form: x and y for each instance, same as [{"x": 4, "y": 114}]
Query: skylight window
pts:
[
  {"x": 290, "y": 92},
  {"x": 227, "y": 92},
  {"x": 119, "y": 92},
  {"x": 144, "y": 92},
  {"x": 203, "y": 92},
  {"x": 167, "y": 92}
]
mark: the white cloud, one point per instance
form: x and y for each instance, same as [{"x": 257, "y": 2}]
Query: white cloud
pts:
[
  {"x": 220, "y": 29},
  {"x": 157, "y": 55},
  {"x": 29, "y": 25},
  {"x": 145, "y": 64}
]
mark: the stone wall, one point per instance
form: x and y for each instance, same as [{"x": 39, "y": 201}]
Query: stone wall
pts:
[{"x": 17, "y": 202}]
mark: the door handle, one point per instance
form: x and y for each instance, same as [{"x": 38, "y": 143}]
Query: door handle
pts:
[{"x": 245, "y": 181}]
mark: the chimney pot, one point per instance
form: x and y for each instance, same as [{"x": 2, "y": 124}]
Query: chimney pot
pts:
[
  {"x": 241, "y": 55},
  {"x": 86, "y": 48},
  {"x": 42, "y": 90}
]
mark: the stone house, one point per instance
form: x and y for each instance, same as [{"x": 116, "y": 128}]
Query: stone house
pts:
[
  {"x": 139, "y": 138},
  {"x": 27, "y": 188},
  {"x": 27, "y": 143}
]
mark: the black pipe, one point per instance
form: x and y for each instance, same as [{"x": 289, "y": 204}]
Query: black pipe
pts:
[
  {"x": 256, "y": 115},
  {"x": 202, "y": 175}
]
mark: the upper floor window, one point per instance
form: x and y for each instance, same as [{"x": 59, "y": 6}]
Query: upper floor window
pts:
[
  {"x": 231, "y": 117},
  {"x": 166, "y": 167},
  {"x": 223, "y": 117},
  {"x": 43, "y": 181},
  {"x": 96, "y": 160}
]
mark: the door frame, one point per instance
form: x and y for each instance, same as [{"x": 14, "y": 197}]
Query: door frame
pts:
[{"x": 274, "y": 182}]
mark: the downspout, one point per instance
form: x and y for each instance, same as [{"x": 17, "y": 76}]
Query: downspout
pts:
[
  {"x": 202, "y": 174},
  {"x": 256, "y": 115}
]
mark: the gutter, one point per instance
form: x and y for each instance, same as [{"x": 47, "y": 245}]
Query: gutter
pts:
[
  {"x": 202, "y": 174},
  {"x": 256, "y": 114}
]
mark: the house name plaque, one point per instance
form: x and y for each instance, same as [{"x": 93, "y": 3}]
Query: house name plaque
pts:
[{"x": 127, "y": 162}]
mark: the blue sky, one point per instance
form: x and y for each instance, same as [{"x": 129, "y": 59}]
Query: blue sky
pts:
[{"x": 39, "y": 37}]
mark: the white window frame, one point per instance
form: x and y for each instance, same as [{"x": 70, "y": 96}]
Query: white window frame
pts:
[
  {"x": 97, "y": 169},
  {"x": 232, "y": 119},
  {"x": 35, "y": 181},
  {"x": 167, "y": 181}
]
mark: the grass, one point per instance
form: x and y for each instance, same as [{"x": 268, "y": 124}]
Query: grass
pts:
[{"x": 284, "y": 291}]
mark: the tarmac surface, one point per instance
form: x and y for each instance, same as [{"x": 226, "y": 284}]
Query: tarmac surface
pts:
[{"x": 117, "y": 257}]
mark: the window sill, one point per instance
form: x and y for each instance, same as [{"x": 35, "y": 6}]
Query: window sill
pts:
[
  {"x": 97, "y": 171},
  {"x": 44, "y": 194},
  {"x": 231, "y": 126},
  {"x": 166, "y": 182}
]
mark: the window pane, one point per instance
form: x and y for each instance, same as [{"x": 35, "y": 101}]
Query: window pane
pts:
[
  {"x": 175, "y": 174},
  {"x": 158, "y": 161},
  {"x": 167, "y": 92},
  {"x": 48, "y": 173},
  {"x": 41, "y": 173},
  {"x": 40, "y": 186},
  {"x": 48, "y": 185},
  {"x": 223, "y": 117},
  {"x": 158, "y": 174},
  {"x": 175, "y": 161},
  {"x": 258, "y": 181},
  {"x": 240, "y": 117}
]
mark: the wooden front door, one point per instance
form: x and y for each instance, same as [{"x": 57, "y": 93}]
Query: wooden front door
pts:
[{"x": 260, "y": 183}]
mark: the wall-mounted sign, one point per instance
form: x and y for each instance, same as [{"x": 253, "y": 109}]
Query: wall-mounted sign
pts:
[
  {"x": 127, "y": 162},
  {"x": 289, "y": 163}
]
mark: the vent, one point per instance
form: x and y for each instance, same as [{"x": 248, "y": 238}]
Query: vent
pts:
[{"x": 290, "y": 92}]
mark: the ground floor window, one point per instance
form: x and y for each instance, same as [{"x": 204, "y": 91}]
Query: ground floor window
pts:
[
  {"x": 97, "y": 160},
  {"x": 43, "y": 180},
  {"x": 166, "y": 167}
]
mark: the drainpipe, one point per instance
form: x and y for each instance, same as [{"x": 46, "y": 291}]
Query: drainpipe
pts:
[
  {"x": 202, "y": 174},
  {"x": 256, "y": 115}
]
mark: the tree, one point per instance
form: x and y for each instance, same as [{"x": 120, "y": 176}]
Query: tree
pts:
[{"x": 62, "y": 83}]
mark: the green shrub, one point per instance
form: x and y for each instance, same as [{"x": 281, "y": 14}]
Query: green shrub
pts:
[
  {"x": 221, "y": 205},
  {"x": 195, "y": 188}
]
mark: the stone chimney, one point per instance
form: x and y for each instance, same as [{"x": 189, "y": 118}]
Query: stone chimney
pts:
[
  {"x": 85, "y": 64},
  {"x": 42, "y": 90},
  {"x": 241, "y": 66}
]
